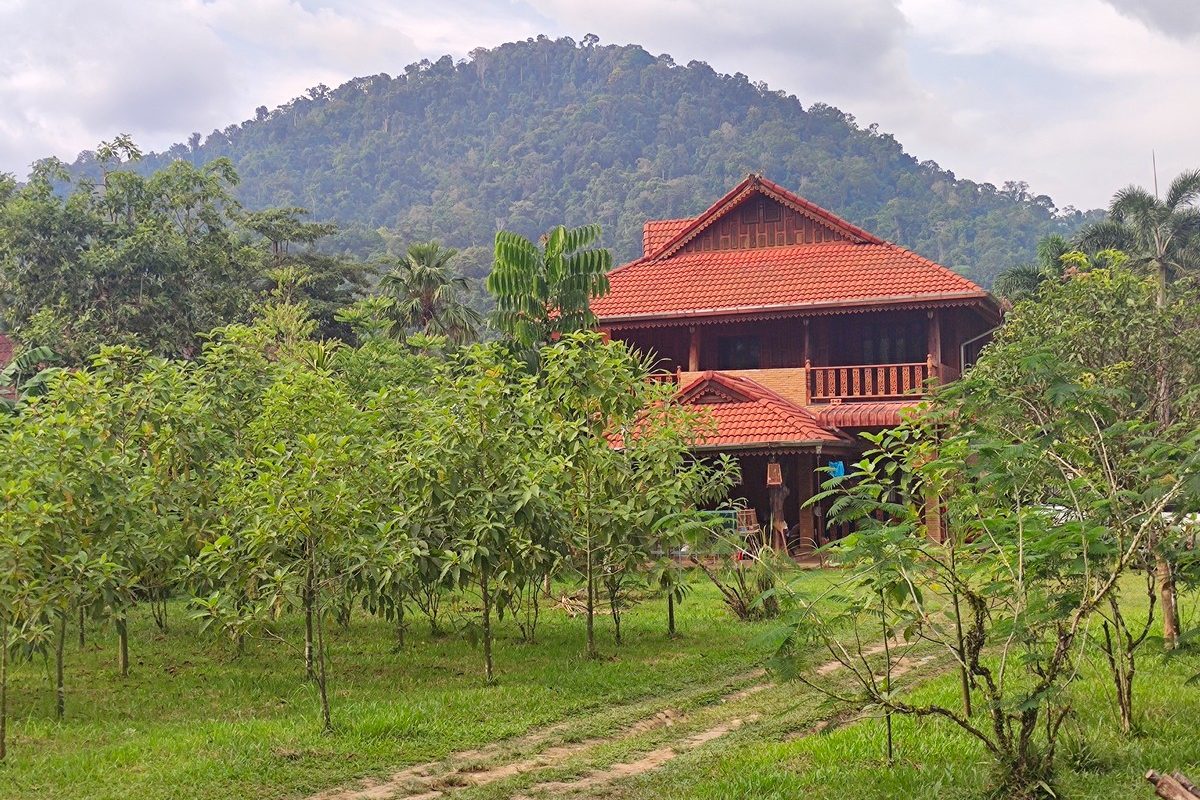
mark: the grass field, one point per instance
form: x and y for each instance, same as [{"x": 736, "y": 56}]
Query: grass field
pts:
[{"x": 687, "y": 718}]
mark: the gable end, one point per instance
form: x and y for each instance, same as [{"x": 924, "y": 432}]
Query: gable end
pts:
[{"x": 760, "y": 221}]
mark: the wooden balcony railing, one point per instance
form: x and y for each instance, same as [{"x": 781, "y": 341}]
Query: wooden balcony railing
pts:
[
  {"x": 868, "y": 381},
  {"x": 836, "y": 384}
]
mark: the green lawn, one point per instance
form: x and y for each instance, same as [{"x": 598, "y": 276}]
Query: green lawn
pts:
[{"x": 193, "y": 721}]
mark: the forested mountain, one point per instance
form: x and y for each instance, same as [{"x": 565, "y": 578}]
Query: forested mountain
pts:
[{"x": 534, "y": 133}]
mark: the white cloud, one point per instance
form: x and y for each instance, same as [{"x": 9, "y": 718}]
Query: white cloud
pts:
[{"x": 1070, "y": 95}]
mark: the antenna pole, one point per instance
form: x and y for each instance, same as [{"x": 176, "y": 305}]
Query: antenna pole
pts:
[{"x": 1154, "y": 166}]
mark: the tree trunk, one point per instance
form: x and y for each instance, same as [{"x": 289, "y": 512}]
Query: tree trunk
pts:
[
  {"x": 400, "y": 624},
  {"x": 488, "y": 672},
  {"x": 964, "y": 677},
  {"x": 322, "y": 683},
  {"x": 60, "y": 691},
  {"x": 122, "y": 626},
  {"x": 591, "y": 577},
  {"x": 82, "y": 643},
  {"x": 591, "y": 607},
  {"x": 670, "y": 613},
  {"x": 614, "y": 597},
  {"x": 309, "y": 672},
  {"x": 1166, "y": 576},
  {"x": 3, "y": 689}
]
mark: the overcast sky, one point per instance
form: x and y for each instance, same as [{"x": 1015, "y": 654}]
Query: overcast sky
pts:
[{"x": 1069, "y": 95}]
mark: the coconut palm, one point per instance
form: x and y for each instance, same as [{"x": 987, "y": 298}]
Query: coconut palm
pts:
[
  {"x": 1160, "y": 235},
  {"x": 427, "y": 296},
  {"x": 1023, "y": 281}
]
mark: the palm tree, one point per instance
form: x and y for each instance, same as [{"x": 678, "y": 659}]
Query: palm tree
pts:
[
  {"x": 1023, "y": 281},
  {"x": 1162, "y": 236},
  {"x": 427, "y": 295}
]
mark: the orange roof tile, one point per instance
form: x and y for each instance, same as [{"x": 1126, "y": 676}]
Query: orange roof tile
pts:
[
  {"x": 657, "y": 232},
  {"x": 861, "y": 415},
  {"x": 777, "y": 278},
  {"x": 745, "y": 413},
  {"x": 858, "y": 269}
]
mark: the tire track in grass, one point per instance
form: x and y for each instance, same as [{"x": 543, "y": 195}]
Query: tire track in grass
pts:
[
  {"x": 472, "y": 768},
  {"x": 496, "y": 761}
]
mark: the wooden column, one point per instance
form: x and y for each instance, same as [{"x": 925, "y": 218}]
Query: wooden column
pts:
[
  {"x": 694, "y": 348},
  {"x": 933, "y": 329},
  {"x": 805, "y": 469},
  {"x": 933, "y": 517},
  {"x": 807, "y": 344}
]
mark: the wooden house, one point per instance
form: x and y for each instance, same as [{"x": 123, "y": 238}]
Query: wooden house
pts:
[{"x": 798, "y": 331}]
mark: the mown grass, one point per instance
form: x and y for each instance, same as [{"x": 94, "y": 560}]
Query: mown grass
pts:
[
  {"x": 938, "y": 762},
  {"x": 195, "y": 720}
]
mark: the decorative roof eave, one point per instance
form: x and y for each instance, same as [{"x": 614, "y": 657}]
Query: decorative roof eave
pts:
[
  {"x": 756, "y": 183},
  {"x": 767, "y": 447},
  {"x": 735, "y": 313}
]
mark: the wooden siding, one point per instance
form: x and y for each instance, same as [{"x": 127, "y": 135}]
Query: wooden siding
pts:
[{"x": 760, "y": 222}]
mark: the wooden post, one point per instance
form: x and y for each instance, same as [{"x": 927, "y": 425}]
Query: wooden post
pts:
[
  {"x": 807, "y": 344},
  {"x": 694, "y": 348},
  {"x": 933, "y": 330},
  {"x": 805, "y": 467},
  {"x": 933, "y": 517}
]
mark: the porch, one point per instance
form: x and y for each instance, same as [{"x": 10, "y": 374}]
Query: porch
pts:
[
  {"x": 876, "y": 356},
  {"x": 772, "y": 494}
]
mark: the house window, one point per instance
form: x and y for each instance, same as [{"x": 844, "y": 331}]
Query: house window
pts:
[{"x": 738, "y": 352}]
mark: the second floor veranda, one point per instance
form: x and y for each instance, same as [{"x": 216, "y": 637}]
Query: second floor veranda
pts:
[{"x": 867, "y": 356}]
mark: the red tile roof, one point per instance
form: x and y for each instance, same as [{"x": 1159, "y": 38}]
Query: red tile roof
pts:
[
  {"x": 6, "y": 350},
  {"x": 657, "y": 232},
  {"x": 862, "y": 415},
  {"x": 777, "y": 278},
  {"x": 745, "y": 413},
  {"x": 857, "y": 270}
]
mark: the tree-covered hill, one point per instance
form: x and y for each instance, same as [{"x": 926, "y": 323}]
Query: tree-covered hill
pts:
[{"x": 534, "y": 133}]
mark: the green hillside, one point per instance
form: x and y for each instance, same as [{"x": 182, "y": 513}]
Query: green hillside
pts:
[{"x": 539, "y": 132}]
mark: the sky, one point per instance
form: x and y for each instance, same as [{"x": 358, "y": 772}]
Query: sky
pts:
[{"x": 1072, "y": 96}]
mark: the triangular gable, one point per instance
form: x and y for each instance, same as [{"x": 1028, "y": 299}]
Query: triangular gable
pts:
[
  {"x": 759, "y": 213},
  {"x": 712, "y": 387}
]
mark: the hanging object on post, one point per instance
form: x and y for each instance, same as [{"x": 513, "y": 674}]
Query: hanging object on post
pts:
[{"x": 774, "y": 474}]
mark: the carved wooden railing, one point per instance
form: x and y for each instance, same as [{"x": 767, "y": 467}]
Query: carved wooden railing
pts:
[
  {"x": 663, "y": 377},
  {"x": 868, "y": 381}
]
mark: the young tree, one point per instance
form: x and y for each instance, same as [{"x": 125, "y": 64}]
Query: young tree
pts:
[
  {"x": 491, "y": 488},
  {"x": 1054, "y": 477},
  {"x": 545, "y": 290},
  {"x": 298, "y": 507},
  {"x": 623, "y": 451},
  {"x": 1162, "y": 237}
]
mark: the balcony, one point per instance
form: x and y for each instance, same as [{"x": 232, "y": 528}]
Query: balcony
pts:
[{"x": 812, "y": 385}]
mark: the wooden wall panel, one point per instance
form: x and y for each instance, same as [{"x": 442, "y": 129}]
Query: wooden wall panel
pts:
[{"x": 760, "y": 222}]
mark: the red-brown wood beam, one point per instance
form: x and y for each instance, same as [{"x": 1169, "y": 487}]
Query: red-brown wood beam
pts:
[
  {"x": 805, "y": 467},
  {"x": 934, "y": 335},
  {"x": 694, "y": 348}
]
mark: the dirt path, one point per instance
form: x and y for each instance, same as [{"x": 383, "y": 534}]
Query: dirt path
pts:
[
  {"x": 644, "y": 763},
  {"x": 535, "y": 751}
]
